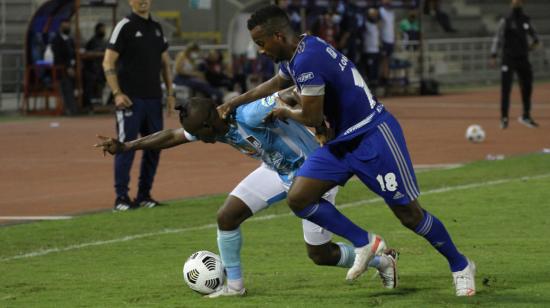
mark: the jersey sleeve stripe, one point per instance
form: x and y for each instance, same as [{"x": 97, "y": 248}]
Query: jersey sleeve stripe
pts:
[
  {"x": 283, "y": 75},
  {"x": 313, "y": 90},
  {"x": 188, "y": 136},
  {"x": 118, "y": 28}
]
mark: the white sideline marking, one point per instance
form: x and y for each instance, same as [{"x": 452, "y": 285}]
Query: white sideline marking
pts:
[
  {"x": 44, "y": 252},
  {"x": 34, "y": 217}
]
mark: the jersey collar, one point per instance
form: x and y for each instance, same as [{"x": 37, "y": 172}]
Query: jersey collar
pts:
[
  {"x": 300, "y": 46},
  {"x": 135, "y": 17}
]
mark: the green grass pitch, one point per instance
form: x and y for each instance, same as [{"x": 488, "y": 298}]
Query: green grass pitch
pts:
[{"x": 498, "y": 213}]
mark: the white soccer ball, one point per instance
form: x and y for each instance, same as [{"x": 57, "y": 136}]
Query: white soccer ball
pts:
[
  {"x": 475, "y": 133},
  {"x": 204, "y": 272}
]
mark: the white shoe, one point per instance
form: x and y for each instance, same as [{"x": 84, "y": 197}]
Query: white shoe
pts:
[
  {"x": 464, "y": 280},
  {"x": 388, "y": 273},
  {"x": 363, "y": 255},
  {"x": 227, "y": 291}
]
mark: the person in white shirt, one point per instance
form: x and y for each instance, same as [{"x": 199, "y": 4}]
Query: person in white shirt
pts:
[
  {"x": 387, "y": 35},
  {"x": 370, "y": 57}
]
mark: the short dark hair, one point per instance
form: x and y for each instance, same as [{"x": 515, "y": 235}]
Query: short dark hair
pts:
[
  {"x": 272, "y": 18},
  {"x": 98, "y": 26},
  {"x": 193, "y": 105}
]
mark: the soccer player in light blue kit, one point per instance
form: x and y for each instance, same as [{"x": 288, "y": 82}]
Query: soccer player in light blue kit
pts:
[
  {"x": 282, "y": 146},
  {"x": 367, "y": 141}
]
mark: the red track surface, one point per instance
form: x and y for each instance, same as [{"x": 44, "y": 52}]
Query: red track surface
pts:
[{"x": 48, "y": 170}]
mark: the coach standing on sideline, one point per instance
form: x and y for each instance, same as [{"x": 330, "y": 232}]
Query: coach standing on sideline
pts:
[
  {"x": 138, "y": 48},
  {"x": 511, "y": 37}
]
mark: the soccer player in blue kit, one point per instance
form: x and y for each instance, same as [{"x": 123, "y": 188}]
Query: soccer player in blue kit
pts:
[
  {"x": 282, "y": 146},
  {"x": 365, "y": 140}
]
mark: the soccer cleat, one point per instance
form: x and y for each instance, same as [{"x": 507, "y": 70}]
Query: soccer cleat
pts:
[
  {"x": 464, "y": 280},
  {"x": 503, "y": 123},
  {"x": 227, "y": 291},
  {"x": 363, "y": 255},
  {"x": 528, "y": 121},
  {"x": 147, "y": 202},
  {"x": 123, "y": 204},
  {"x": 388, "y": 274}
]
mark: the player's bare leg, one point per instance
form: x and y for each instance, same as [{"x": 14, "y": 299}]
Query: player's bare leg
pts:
[{"x": 230, "y": 216}]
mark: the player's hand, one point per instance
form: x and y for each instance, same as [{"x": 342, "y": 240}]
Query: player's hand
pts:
[
  {"x": 110, "y": 145},
  {"x": 122, "y": 101},
  {"x": 323, "y": 134},
  {"x": 277, "y": 114},
  {"x": 225, "y": 109},
  {"x": 170, "y": 104}
]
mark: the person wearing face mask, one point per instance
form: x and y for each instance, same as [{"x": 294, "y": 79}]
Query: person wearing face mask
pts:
[
  {"x": 512, "y": 41},
  {"x": 190, "y": 73},
  {"x": 94, "y": 79},
  {"x": 327, "y": 26},
  {"x": 64, "y": 56}
]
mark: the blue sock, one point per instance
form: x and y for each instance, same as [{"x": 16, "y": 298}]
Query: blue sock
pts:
[
  {"x": 347, "y": 256},
  {"x": 229, "y": 244},
  {"x": 327, "y": 216},
  {"x": 434, "y": 231}
]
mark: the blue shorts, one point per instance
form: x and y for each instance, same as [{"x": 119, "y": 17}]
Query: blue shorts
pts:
[{"x": 379, "y": 158}]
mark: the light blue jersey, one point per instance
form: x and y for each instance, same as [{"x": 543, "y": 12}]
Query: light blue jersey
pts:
[{"x": 281, "y": 146}]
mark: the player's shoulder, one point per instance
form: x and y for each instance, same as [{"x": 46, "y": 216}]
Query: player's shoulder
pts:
[
  {"x": 311, "y": 49},
  {"x": 156, "y": 23},
  {"x": 253, "y": 114},
  {"x": 124, "y": 24},
  {"x": 121, "y": 30},
  {"x": 310, "y": 44}
]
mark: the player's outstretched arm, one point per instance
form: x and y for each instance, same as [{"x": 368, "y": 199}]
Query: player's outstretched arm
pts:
[
  {"x": 264, "y": 89},
  {"x": 160, "y": 140}
]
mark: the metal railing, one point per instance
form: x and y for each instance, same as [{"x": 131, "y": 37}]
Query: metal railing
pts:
[
  {"x": 466, "y": 60},
  {"x": 3, "y": 16},
  {"x": 11, "y": 74},
  {"x": 458, "y": 61}
]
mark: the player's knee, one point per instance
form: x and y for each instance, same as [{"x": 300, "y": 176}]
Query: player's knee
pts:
[
  {"x": 411, "y": 219},
  {"x": 410, "y": 215},
  {"x": 319, "y": 257},
  {"x": 226, "y": 221},
  {"x": 297, "y": 201},
  {"x": 409, "y": 222}
]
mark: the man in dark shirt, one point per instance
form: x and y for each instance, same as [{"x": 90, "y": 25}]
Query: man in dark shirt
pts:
[
  {"x": 64, "y": 56},
  {"x": 511, "y": 38},
  {"x": 139, "y": 49},
  {"x": 94, "y": 79}
]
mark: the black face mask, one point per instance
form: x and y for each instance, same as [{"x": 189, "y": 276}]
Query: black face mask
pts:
[
  {"x": 100, "y": 34},
  {"x": 66, "y": 31},
  {"x": 517, "y": 10}
]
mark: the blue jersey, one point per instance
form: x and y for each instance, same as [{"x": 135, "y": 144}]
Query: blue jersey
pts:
[
  {"x": 281, "y": 146},
  {"x": 319, "y": 69}
]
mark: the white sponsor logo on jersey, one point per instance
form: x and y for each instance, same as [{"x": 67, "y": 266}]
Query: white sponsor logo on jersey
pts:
[
  {"x": 268, "y": 101},
  {"x": 138, "y": 34},
  {"x": 305, "y": 77}
]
